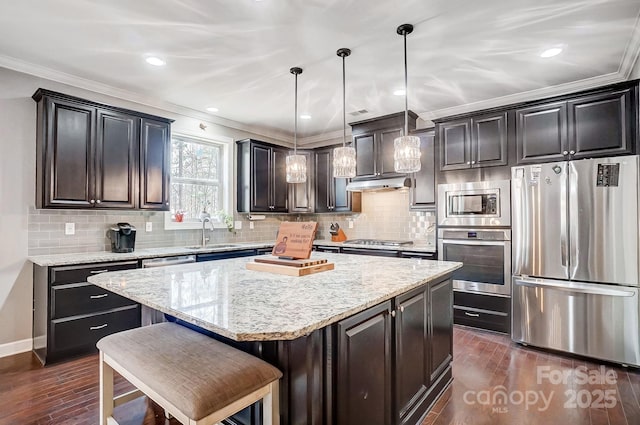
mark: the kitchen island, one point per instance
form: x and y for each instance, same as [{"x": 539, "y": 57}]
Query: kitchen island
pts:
[{"x": 369, "y": 342}]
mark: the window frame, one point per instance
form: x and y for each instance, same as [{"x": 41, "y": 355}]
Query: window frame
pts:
[{"x": 226, "y": 181}]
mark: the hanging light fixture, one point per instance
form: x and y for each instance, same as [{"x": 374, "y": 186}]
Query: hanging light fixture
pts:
[
  {"x": 344, "y": 158},
  {"x": 406, "y": 149},
  {"x": 296, "y": 164}
]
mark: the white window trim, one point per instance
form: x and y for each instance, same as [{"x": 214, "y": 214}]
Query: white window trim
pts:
[{"x": 226, "y": 144}]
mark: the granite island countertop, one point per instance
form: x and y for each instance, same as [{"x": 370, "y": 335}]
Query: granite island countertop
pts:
[{"x": 244, "y": 305}]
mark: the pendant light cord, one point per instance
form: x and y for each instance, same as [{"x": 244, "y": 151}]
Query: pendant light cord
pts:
[
  {"x": 344, "y": 105},
  {"x": 295, "y": 126},
  {"x": 406, "y": 90}
]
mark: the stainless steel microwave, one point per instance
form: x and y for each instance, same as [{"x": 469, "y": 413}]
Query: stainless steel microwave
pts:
[{"x": 475, "y": 204}]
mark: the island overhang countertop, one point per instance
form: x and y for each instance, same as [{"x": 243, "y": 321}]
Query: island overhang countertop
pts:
[{"x": 244, "y": 305}]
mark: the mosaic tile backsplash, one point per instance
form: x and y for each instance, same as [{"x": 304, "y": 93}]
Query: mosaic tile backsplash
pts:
[{"x": 385, "y": 215}]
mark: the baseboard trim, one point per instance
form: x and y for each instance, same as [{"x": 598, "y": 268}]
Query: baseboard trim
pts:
[{"x": 16, "y": 347}]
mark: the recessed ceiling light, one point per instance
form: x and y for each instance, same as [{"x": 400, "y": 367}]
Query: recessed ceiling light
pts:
[
  {"x": 400, "y": 92},
  {"x": 212, "y": 109},
  {"x": 305, "y": 117},
  {"x": 155, "y": 61},
  {"x": 549, "y": 53}
]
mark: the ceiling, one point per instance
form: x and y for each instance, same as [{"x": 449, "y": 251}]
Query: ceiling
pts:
[{"x": 235, "y": 54}]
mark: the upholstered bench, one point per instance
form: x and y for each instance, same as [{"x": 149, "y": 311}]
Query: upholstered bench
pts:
[{"x": 196, "y": 379}]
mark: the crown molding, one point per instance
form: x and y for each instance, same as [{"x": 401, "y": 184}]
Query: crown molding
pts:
[
  {"x": 319, "y": 138},
  {"x": 557, "y": 90},
  {"x": 127, "y": 95},
  {"x": 631, "y": 51}
]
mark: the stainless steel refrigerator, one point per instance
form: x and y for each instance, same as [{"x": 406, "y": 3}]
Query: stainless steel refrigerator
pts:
[{"x": 575, "y": 257}]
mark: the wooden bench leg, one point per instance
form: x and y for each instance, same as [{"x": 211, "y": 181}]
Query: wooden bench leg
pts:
[
  {"x": 271, "y": 405},
  {"x": 106, "y": 393}
]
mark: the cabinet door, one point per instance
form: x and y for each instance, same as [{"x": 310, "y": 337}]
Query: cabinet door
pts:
[
  {"x": 323, "y": 180},
  {"x": 440, "y": 326},
  {"x": 412, "y": 365},
  {"x": 455, "y": 145},
  {"x": 489, "y": 140},
  {"x": 365, "y": 155},
  {"x": 155, "y": 148},
  {"x": 301, "y": 194},
  {"x": 363, "y": 390},
  {"x": 601, "y": 124},
  {"x": 280, "y": 189},
  {"x": 116, "y": 160},
  {"x": 541, "y": 133},
  {"x": 422, "y": 192},
  {"x": 385, "y": 151},
  {"x": 68, "y": 153},
  {"x": 261, "y": 180},
  {"x": 341, "y": 198}
]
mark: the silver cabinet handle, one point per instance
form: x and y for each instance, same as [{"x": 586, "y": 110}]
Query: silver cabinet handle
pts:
[
  {"x": 393, "y": 313},
  {"x": 468, "y": 163},
  {"x": 166, "y": 203},
  {"x": 471, "y": 314},
  {"x": 95, "y": 328},
  {"x": 473, "y": 162},
  {"x": 95, "y": 297},
  {"x": 98, "y": 271},
  {"x": 98, "y": 201},
  {"x": 565, "y": 153},
  {"x": 92, "y": 201},
  {"x": 572, "y": 152},
  {"x": 401, "y": 309}
]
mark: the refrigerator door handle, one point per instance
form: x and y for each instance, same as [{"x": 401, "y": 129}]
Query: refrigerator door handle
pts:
[
  {"x": 576, "y": 288},
  {"x": 564, "y": 226}
]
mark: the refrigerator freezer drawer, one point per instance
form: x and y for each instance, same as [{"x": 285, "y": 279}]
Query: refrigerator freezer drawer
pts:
[{"x": 595, "y": 320}]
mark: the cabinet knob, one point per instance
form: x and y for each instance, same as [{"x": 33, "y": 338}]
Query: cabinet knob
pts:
[
  {"x": 166, "y": 203},
  {"x": 98, "y": 201},
  {"x": 572, "y": 152},
  {"x": 393, "y": 313},
  {"x": 401, "y": 309},
  {"x": 473, "y": 162},
  {"x": 92, "y": 201},
  {"x": 565, "y": 153},
  {"x": 468, "y": 163}
]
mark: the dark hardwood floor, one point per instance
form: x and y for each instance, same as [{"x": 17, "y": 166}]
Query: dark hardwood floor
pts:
[{"x": 487, "y": 368}]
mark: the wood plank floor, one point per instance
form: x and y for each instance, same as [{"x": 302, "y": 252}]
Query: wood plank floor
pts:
[{"x": 484, "y": 364}]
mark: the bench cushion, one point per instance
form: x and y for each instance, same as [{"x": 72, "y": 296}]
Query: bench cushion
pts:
[{"x": 194, "y": 372}]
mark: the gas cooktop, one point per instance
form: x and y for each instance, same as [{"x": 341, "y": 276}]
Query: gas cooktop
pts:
[{"x": 380, "y": 242}]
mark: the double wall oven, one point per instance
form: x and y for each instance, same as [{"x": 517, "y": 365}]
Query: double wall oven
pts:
[{"x": 474, "y": 227}]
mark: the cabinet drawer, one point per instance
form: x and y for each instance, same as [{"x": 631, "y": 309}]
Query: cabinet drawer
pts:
[
  {"x": 79, "y": 274},
  {"x": 85, "y": 331},
  {"x": 482, "y": 302},
  {"x": 83, "y": 298},
  {"x": 499, "y": 322}
]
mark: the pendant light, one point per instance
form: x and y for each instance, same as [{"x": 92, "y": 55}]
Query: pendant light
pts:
[
  {"x": 296, "y": 164},
  {"x": 406, "y": 149},
  {"x": 344, "y": 158}
]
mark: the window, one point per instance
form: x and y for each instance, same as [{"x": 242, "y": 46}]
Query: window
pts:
[{"x": 200, "y": 180}]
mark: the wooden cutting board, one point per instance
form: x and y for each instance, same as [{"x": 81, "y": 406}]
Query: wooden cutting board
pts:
[
  {"x": 289, "y": 270},
  {"x": 272, "y": 259}
]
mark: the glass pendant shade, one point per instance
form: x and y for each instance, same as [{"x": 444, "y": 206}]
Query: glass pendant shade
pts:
[
  {"x": 406, "y": 154},
  {"x": 296, "y": 169},
  {"x": 344, "y": 162}
]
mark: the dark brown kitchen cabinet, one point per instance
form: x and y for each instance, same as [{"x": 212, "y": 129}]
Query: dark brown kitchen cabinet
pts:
[
  {"x": 599, "y": 124},
  {"x": 301, "y": 197},
  {"x": 440, "y": 327},
  {"x": 373, "y": 141},
  {"x": 89, "y": 155},
  {"x": 70, "y": 315},
  {"x": 155, "y": 151},
  {"x": 364, "y": 368},
  {"x": 262, "y": 179},
  {"x": 422, "y": 192},
  {"x": 479, "y": 141},
  {"x": 330, "y": 193}
]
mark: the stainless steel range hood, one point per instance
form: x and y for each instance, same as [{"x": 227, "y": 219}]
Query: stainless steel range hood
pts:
[{"x": 379, "y": 184}]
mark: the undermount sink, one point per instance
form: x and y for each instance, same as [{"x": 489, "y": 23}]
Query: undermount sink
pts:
[{"x": 212, "y": 246}]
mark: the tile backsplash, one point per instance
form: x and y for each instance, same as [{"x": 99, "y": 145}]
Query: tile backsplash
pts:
[{"x": 385, "y": 215}]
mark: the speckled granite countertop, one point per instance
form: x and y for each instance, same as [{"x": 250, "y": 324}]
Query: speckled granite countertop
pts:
[
  {"x": 105, "y": 256},
  {"x": 244, "y": 305},
  {"x": 416, "y": 247}
]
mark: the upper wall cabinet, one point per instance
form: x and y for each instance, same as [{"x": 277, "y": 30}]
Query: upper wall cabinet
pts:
[
  {"x": 373, "y": 140},
  {"x": 594, "y": 125},
  {"x": 330, "y": 193},
  {"x": 422, "y": 192},
  {"x": 95, "y": 156},
  {"x": 479, "y": 141},
  {"x": 301, "y": 199},
  {"x": 262, "y": 178}
]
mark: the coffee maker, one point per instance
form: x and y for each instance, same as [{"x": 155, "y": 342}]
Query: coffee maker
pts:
[{"x": 123, "y": 237}]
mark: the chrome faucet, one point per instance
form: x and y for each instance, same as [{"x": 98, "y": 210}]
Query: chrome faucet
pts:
[{"x": 205, "y": 217}]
